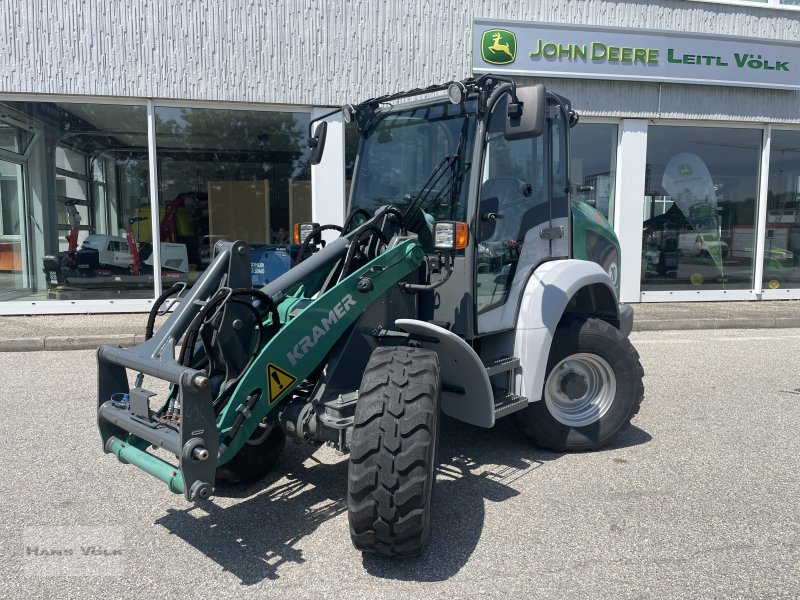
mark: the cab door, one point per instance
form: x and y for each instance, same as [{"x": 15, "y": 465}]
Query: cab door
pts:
[{"x": 522, "y": 215}]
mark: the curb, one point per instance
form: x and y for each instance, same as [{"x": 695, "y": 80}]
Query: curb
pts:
[
  {"x": 695, "y": 324},
  {"x": 60, "y": 343},
  {"x": 92, "y": 342}
]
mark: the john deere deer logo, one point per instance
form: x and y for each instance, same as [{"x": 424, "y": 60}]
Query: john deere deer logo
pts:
[{"x": 498, "y": 46}]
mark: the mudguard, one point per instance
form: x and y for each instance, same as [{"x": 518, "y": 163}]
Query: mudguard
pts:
[
  {"x": 466, "y": 391},
  {"x": 544, "y": 300}
]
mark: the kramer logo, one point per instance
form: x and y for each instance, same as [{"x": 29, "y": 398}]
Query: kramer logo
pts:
[
  {"x": 302, "y": 347},
  {"x": 498, "y": 46}
]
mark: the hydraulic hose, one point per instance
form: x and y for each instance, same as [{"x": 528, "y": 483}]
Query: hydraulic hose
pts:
[
  {"x": 268, "y": 307},
  {"x": 194, "y": 328},
  {"x": 315, "y": 232},
  {"x": 230, "y": 385},
  {"x": 243, "y": 414},
  {"x": 187, "y": 351},
  {"x": 351, "y": 216},
  {"x": 351, "y": 251},
  {"x": 151, "y": 319}
]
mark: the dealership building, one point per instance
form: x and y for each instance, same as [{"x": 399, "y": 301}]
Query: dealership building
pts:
[{"x": 122, "y": 123}]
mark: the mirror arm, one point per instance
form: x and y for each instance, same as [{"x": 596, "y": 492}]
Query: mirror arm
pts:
[{"x": 320, "y": 118}]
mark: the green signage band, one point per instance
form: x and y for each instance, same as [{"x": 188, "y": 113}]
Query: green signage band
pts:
[{"x": 631, "y": 54}]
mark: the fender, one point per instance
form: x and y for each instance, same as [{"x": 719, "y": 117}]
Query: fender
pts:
[
  {"x": 547, "y": 294},
  {"x": 460, "y": 367}
]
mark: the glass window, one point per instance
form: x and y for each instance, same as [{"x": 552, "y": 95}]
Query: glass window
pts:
[
  {"x": 233, "y": 175},
  {"x": 782, "y": 234},
  {"x": 701, "y": 185},
  {"x": 593, "y": 164},
  {"x": 85, "y": 171},
  {"x": 14, "y": 135},
  {"x": 12, "y": 272},
  {"x": 351, "y": 142},
  {"x": 404, "y": 152}
]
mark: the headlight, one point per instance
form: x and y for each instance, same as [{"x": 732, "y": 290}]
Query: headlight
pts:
[
  {"x": 302, "y": 231},
  {"x": 450, "y": 235}
]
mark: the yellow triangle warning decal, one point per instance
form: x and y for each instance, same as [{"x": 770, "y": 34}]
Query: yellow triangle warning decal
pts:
[{"x": 279, "y": 381}]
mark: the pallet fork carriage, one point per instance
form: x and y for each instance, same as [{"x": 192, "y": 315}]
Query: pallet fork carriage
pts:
[{"x": 465, "y": 281}]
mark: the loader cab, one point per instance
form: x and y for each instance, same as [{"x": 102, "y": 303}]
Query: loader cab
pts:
[{"x": 463, "y": 162}]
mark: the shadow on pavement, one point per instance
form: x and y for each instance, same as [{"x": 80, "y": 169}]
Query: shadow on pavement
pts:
[
  {"x": 253, "y": 538},
  {"x": 463, "y": 485}
]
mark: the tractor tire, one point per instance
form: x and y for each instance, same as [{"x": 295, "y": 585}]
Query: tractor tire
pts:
[
  {"x": 256, "y": 458},
  {"x": 592, "y": 389},
  {"x": 393, "y": 452}
]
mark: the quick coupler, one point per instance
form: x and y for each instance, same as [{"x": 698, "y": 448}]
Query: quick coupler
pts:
[{"x": 184, "y": 427}]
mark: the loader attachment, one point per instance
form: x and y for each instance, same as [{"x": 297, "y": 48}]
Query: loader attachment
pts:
[{"x": 243, "y": 352}]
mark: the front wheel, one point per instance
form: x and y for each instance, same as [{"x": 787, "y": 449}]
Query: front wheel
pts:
[
  {"x": 592, "y": 389},
  {"x": 256, "y": 457},
  {"x": 393, "y": 452}
]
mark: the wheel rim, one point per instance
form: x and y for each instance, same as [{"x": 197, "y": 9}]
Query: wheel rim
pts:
[{"x": 578, "y": 410}]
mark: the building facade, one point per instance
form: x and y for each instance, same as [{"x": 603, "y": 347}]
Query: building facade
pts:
[{"x": 122, "y": 123}]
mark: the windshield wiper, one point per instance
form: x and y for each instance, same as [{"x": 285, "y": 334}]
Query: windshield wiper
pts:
[
  {"x": 455, "y": 191},
  {"x": 437, "y": 173}
]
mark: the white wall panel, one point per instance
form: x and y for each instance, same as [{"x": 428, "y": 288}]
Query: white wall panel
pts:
[
  {"x": 629, "y": 203},
  {"x": 328, "y": 52}
]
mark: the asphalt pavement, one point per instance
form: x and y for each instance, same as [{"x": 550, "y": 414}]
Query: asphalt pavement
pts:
[
  {"x": 80, "y": 332},
  {"x": 698, "y": 499}
]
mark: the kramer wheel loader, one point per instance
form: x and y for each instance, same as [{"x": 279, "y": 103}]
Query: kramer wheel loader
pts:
[{"x": 464, "y": 281}]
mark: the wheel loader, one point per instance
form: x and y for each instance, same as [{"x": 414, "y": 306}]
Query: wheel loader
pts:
[{"x": 464, "y": 281}]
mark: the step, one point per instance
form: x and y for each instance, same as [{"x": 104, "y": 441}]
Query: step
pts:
[
  {"x": 505, "y": 404},
  {"x": 501, "y": 364}
]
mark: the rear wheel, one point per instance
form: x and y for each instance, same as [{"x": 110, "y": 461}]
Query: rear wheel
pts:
[
  {"x": 592, "y": 389},
  {"x": 392, "y": 452}
]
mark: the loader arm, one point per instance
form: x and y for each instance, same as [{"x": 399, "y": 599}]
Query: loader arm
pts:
[{"x": 201, "y": 432}]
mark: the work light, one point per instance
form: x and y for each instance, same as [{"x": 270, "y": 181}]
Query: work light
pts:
[
  {"x": 302, "y": 231},
  {"x": 450, "y": 235},
  {"x": 456, "y": 92},
  {"x": 348, "y": 113}
]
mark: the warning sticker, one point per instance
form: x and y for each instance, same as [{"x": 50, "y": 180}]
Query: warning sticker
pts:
[{"x": 279, "y": 381}]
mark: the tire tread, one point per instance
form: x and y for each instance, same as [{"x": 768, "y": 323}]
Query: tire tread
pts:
[{"x": 392, "y": 447}]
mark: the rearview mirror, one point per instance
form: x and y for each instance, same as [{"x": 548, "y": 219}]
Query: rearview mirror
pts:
[
  {"x": 525, "y": 115},
  {"x": 317, "y": 143}
]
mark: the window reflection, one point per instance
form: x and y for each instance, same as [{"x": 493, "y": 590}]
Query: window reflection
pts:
[
  {"x": 81, "y": 169},
  {"x": 228, "y": 175},
  {"x": 75, "y": 218},
  {"x": 701, "y": 186},
  {"x": 782, "y": 234}
]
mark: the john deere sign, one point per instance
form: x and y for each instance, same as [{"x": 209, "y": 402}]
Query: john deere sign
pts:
[
  {"x": 498, "y": 46},
  {"x": 556, "y": 50}
]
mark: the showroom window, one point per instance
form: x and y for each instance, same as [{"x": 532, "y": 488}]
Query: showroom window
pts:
[
  {"x": 229, "y": 175},
  {"x": 593, "y": 164},
  {"x": 75, "y": 207},
  {"x": 701, "y": 189},
  {"x": 782, "y": 233},
  {"x": 71, "y": 175}
]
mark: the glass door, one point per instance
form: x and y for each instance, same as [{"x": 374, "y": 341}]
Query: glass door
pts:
[
  {"x": 13, "y": 254},
  {"x": 513, "y": 210}
]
